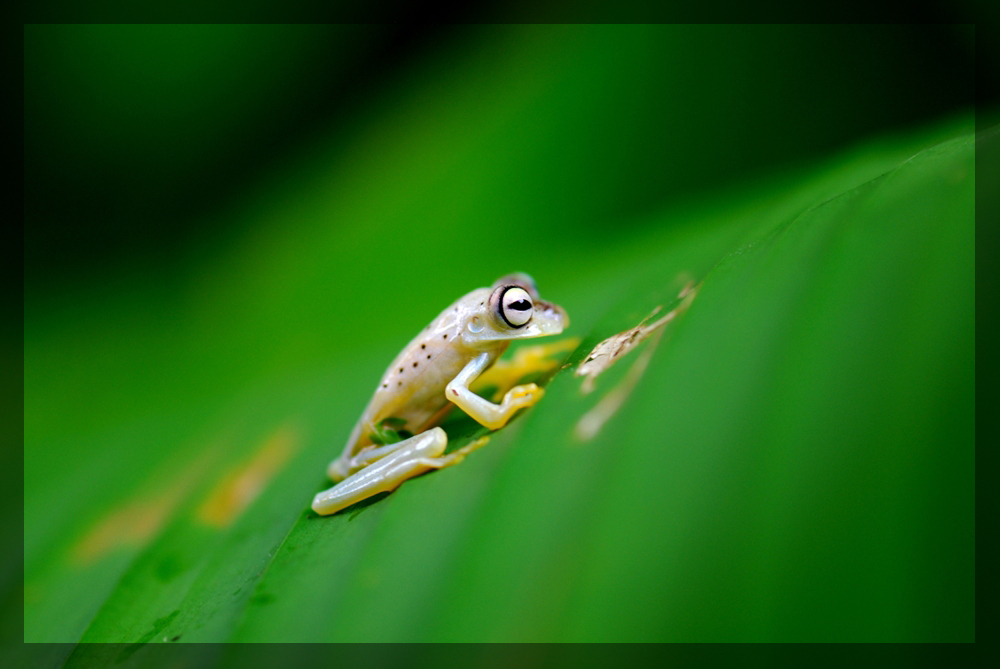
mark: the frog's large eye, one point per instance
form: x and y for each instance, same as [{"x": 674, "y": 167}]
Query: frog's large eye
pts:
[
  {"x": 516, "y": 306},
  {"x": 518, "y": 279}
]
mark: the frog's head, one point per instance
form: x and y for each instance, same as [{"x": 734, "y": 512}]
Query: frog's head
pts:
[{"x": 515, "y": 311}]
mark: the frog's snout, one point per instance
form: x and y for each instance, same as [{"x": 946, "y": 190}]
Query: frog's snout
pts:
[{"x": 551, "y": 318}]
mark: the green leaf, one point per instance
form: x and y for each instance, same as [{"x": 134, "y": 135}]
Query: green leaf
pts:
[{"x": 796, "y": 463}]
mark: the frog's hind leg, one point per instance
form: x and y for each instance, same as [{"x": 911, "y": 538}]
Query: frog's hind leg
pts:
[
  {"x": 370, "y": 455},
  {"x": 390, "y": 466}
]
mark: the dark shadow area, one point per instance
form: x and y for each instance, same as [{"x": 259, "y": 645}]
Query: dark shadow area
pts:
[{"x": 139, "y": 140}]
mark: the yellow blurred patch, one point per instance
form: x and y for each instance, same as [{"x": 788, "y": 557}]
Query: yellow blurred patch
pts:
[
  {"x": 538, "y": 360},
  {"x": 235, "y": 492},
  {"x": 139, "y": 518}
]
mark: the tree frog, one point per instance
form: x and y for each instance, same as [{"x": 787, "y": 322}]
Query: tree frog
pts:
[{"x": 431, "y": 376}]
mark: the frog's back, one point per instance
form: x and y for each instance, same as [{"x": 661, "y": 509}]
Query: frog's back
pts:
[{"x": 412, "y": 389}]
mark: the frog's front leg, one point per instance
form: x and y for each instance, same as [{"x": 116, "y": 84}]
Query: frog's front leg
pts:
[
  {"x": 486, "y": 413},
  {"x": 389, "y": 466}
]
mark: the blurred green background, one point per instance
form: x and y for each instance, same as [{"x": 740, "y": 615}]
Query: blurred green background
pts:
[{"x": 231, "y": 230}]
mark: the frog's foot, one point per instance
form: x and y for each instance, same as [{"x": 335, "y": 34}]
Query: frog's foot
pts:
[{"x": 521, "y": 397}]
